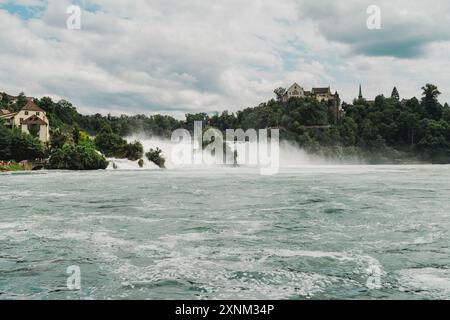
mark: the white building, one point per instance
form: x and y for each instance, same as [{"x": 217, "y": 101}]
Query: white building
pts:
[
  {"x": 30, "y": 119},
  {"x": 321, "y": 94}
]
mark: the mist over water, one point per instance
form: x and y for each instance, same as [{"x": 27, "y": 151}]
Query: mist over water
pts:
[{"x": 291, "y": 156}]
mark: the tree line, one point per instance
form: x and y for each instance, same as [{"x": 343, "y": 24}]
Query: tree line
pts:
[{"x": 385, "y": 130}]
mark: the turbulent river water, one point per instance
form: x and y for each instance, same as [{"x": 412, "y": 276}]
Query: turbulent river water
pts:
[{"x": 349, "y": 232}]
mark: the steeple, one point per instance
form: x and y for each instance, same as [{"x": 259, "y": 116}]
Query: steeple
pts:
[{"x": 360, "y": 92}]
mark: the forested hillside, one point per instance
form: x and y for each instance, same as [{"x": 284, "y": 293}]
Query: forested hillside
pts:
[{"x": 385, "y": 130}]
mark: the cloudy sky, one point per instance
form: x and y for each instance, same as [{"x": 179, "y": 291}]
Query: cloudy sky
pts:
[{"x": 173, "y": 57}]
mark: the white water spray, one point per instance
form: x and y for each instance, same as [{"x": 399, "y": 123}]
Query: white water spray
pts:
[{"x": 291, "y": 156}]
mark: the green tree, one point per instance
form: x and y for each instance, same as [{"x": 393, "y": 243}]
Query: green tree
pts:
[
  {"x": 18, "y": 146},
  {"x": 279, "y": 92},
  {"x": 21, "y": 101},
  {"x": 108, "y": 143},
  {"x": 76, "y": 157},
  {"x": 430, "y": 101},
  {"x": 395, "y": 95}
]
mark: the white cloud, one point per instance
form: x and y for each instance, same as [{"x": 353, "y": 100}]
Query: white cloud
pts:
[{"x": 175, "y": 57}]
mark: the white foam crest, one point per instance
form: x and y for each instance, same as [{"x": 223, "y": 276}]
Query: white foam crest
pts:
[
  {"x": 426, "y": 281},
  {"x": 125, "y": 164}
]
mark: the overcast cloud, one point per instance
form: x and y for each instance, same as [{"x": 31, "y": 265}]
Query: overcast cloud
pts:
[{"x": 188, "y": 56}]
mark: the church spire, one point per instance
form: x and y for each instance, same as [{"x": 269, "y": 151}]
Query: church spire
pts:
[{"x": 360, "y": 92}]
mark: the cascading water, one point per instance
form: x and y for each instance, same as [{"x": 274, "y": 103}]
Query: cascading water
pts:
[
  {"x": 290, "y": 155},
  {"x": 125, "y": 164}
]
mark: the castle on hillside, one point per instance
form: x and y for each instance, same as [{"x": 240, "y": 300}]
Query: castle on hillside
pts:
[
  {"x": 30, "y": 119},
  {"x": 320, "y": 94}
]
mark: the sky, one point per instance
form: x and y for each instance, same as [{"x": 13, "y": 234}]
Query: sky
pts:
[{"x": 177, "y": 57}]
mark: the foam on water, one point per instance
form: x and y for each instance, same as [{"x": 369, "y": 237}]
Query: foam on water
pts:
[
  {"x": 426, "y": 282},
  {"x": 125, "y": 164},
  {"x": 316, "y": 232}
]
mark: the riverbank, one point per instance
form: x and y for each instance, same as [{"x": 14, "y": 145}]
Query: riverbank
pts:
[{"x": 13, "y": 166}]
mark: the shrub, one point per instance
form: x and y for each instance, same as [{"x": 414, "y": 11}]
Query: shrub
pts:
[
  {"x": 77, "y": 157},
  {"x": 132, "y": 151},
  {"x": 112, "y": 145},
  {"x": 18, "y": 146},
  {"x": 154, "y": 155}
]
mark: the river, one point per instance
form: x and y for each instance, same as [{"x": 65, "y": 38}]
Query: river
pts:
[{"x": 313, "y": 232}]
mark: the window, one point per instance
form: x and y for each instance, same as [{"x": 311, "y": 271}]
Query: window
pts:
[
  {"x": 37, "y": 113},
  {"x": 26, "y": 113},
  {"x": 21, "y": 120}
]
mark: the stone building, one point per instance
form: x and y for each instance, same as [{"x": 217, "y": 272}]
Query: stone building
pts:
[{"x": 321, "y": 94}]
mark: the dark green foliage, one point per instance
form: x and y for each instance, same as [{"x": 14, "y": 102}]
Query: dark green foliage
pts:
[
  {"x": 61, "y": 136},
  {"x": 76, "y": 157},
  {"x": 395, "y": 95},
  {"x": 158, "y": 125},
  {"x": 60, "y": 113},
  {"x": 112, "y": 145},
  {"x": 7, "y": 102},
  {"x": 154, "y": 155},
  {"x": 21, "y": 102},
  {"x": 385, "y": 130},
  {"x": 109, "y": 143},
  {"x": 279, "y": 92},
  {"x": 18, "y": 146},
  {"x": 430, "y": 103},
  {"x": 391, "y": 130},
  {"x": 133, "y": 151}
]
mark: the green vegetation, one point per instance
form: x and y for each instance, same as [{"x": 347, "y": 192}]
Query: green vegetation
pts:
[
  {"x": 386, "y": 130},
  {"x": 77, "y": 157},
  {"x": 6, "y": 102},
  {"x": 112, "y": 145},
  {"x": 154, "y": 155},
  {"x": 72, "y": 149},
  {"x": 18, "y": 146},
  {"x": 13, "y": 166}
]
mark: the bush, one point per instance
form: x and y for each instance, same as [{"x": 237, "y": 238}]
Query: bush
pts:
[
  {"x": 77, "y": 157},
  {"x": 154, "y": 155},
  {"x": 132, "y": 151},
  {"x": 112, "y": 145},
  {"x": 18, "y": 146}
]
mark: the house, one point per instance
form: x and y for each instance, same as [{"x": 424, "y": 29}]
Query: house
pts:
[
  {"x": 320, "y": 94},
  {"x": 30, "y": 119},
  {"x": 294, "y": 91},
  {"x": 324, "y": 94}
]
